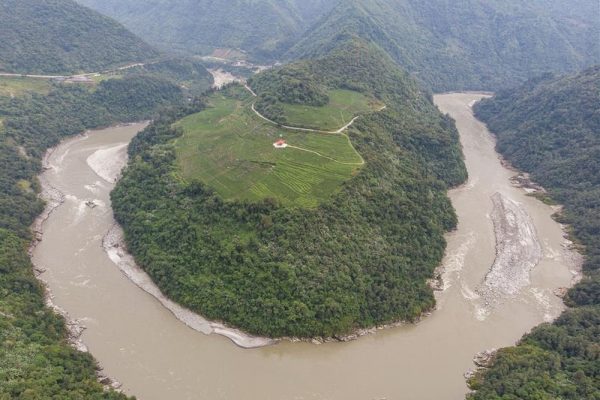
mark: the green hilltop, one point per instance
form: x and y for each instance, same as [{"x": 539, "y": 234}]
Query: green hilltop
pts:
[
  {"x": 359, "y": 256},
  {"x": 62, "y": 37}
]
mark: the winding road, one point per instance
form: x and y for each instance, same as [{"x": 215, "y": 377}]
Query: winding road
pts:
[
  {"x": 295, "y": 128},
  {"x": 85, "y": 75}
]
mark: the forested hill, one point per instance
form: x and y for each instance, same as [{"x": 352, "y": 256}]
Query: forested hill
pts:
[
  {"x": 467, "y": 44},
  {"x": 60, "y": 36},
  {"x": 359, "y": 257},
  {"x": 265, "y": 28},
  {"x": 550, "y": 127}
]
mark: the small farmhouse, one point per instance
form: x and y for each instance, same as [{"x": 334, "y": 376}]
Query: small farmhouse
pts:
[{"x": 280, "y": 144}]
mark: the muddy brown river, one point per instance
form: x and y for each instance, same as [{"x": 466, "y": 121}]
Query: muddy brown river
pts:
[{"x": 486, "y": 303}]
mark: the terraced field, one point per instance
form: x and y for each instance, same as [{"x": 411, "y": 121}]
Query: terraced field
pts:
[
  {"x": 342, "y": 107},
  {"x": 230, "y": 149}
]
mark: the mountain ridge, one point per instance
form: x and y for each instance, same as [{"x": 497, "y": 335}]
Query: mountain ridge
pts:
[
  {"x": 468, "y": 44},
  {"x": 264, "y": 27},
  {"x": 60, "y": 36}
]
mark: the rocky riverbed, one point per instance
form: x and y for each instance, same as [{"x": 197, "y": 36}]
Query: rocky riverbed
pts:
[{"x": 518, "y": 251}]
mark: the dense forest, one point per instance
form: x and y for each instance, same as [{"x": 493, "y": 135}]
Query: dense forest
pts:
[
  {"x": 550, "y": 127},
  {"x": 189, "y": 74},
  {"x": 62, "y": 37},
  {"x": 467, "y": 44},
  {"x": 265, "y": 28},
  {"x": 292, "y": 84},
  {"x": 36, "y": 362},
  {"x": 362, "y": 258}
]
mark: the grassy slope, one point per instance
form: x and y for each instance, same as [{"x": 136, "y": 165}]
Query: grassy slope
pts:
[
  {"x": 18, "y": 86},
  {"x": 60, "y": 36},
  {"x": 231, "y": 150},
  {"x": 551, "y": 128},
  {"x": 342, "y": 107}
]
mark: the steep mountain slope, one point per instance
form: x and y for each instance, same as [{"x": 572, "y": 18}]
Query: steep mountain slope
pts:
[
  {"x": 551, "y": 128},
  {"x": 467, "y": 44},
  {"x": 360, "y": 256},
  {"x": 263, "y": 27},
  {"x": 60, "y": 36}
]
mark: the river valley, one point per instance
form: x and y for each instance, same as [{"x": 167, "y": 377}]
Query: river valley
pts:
[{"x": 485, "y": 303}]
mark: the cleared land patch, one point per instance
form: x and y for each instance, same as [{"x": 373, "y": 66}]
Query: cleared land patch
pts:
[
  {"x": 342, "y": 107},
  {"x": 231, "y": 150},
  {"x": 17, "y": 86}
]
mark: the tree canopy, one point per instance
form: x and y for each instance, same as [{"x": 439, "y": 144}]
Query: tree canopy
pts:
[{"x": 62, "y": 37}]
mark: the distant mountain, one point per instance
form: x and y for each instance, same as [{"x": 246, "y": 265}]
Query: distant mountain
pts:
[
  {"x": 467, "y": 44},
  {"x": 60, "y": 36},
  {"x": 550, "y": 128},
  {"x": 265, "y": 28}
]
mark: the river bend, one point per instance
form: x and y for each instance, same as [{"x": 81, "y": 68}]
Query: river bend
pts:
[{"x": 141, "y": 344}]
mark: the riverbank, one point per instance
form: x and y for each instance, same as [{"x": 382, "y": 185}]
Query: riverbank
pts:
[
  {"x": 53, "y": 199},
  {"x": 114, "y": 245},
  {"x": 107, "y": 164}
]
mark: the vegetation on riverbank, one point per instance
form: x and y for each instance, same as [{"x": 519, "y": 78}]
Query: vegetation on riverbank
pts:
[
  {"x": 360, "y": 259},
  {"x": 36, "y": 362},
  {"x": 550, "y": 127},
  {"x": 189, "y": 74}
]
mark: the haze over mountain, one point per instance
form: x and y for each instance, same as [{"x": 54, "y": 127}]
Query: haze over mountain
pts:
[
  {"x": 448, "y": 45},
  {"x": 60, "y": 36},
  {"x": 467, "y": 44},
  {"x": 264, "y": 27}
]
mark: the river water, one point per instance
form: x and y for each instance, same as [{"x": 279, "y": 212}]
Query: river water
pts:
[{"x": 141, "y": 344}]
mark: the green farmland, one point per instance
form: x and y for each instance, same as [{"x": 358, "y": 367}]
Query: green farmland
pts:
[
  {"x": 342, "y": 107},
  {"x": 231, "y": 150}
]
